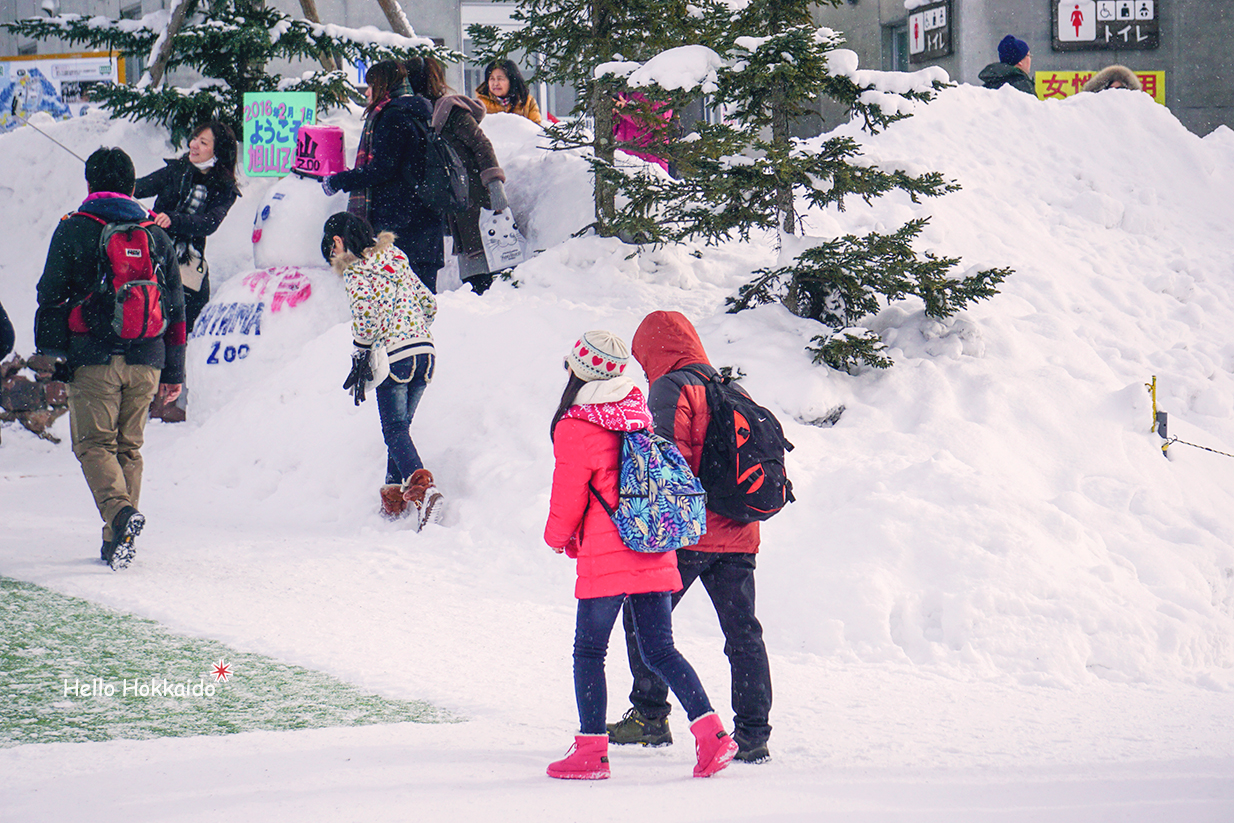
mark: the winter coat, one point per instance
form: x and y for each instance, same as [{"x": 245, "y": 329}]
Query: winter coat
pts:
[
  {"x": 457, "y": 119},
  {"x": 71, "y": 270},
  {"x": 1102, "y": 79},
  {"x": 997, "y": 75},
  {"x": 587, "y": 449},
  {"x": 389, "y": 304},
  {"x": 664, "y": 345},
  {"x": 627, "y": 128},
  {"x": 171, "y": 186},
  {"x": 496, "y": 105},
  {"x": 398, "y": 145},
  {"x": 7, "y": 337}
]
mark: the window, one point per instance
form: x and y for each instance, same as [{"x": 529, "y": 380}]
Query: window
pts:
[{"x": 895, "y": 47}]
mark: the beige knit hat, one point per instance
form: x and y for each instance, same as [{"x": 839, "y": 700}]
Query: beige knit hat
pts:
[{"x": 598, "y": 355}]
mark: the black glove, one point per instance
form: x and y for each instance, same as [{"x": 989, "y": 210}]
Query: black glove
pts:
[
  {"x": 60, "y": 372},
  {"x": 361, "y": 373}
]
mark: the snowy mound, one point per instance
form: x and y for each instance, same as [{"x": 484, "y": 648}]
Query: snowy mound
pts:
[{"x": 994, "y": 504}]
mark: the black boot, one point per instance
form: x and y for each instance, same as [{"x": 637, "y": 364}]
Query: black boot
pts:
[{"x": 646, "y": 731}]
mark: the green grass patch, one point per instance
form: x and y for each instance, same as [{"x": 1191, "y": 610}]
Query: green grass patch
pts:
[{"x": 72, "y": 671}]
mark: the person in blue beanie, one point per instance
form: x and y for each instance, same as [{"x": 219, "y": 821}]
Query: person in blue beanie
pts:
[{"x": 1015, "y": 62}]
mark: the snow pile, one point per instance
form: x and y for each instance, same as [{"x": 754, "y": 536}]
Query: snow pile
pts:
[{"x": 987, "y": 517}]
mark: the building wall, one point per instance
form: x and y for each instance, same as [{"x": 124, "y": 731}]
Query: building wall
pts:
[
  {"x": 436, "y": 19},
  {"x": 1194, "y": 53}
]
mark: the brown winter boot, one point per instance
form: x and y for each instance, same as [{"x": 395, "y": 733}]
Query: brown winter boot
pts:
[
  {"x": 393, "y": 506},
  {"x": 422, "y": 494}
]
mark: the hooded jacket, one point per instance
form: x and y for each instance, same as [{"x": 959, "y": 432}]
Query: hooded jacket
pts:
[
  {"x": 70, "y": 272},
  {"x": 587, "y": 450},
  {"x": 389, "y": 304},
  {"x": 457, "y": 119},
  {"x": 997, "y": 75},
  {"x": 665, "y": 343},
  {"x": 1110, "y": 74},
  {"x": 496, "y": 105}
]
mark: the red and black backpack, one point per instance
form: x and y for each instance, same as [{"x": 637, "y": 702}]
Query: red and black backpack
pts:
[
  {"x": 129, "y": 295},
  {"x": 742, "y": 463}
]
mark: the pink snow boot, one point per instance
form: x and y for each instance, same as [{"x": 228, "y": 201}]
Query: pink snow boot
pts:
[
  {"x": 586, "y": 760},
  {"x": 712, "y": 745}
]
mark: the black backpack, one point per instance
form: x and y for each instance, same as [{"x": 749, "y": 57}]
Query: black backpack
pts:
[
  {"x": 742, "y": 465},
  {"x": 444, "y": 186}
]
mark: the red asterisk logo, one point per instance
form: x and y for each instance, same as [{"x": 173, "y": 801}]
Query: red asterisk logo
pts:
[{"x": 221, "y": 671}]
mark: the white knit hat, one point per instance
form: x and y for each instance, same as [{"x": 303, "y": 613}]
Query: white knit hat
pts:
[{"x": 598, "y": 355}]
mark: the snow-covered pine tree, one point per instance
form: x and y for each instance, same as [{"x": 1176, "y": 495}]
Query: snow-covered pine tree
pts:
[
  {"x": 771, "y": 66},
  {"x": 571, "y": 40},
  {"x": 230, "y": 43}
]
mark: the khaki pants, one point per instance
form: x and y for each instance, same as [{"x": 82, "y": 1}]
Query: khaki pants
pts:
[{"x": 108, "y": 406}]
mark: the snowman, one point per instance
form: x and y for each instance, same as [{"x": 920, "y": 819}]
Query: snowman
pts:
[{"x": 256, "y": 319}]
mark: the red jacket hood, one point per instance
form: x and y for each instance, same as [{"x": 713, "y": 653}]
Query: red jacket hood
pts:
[{"x": 666, "y": 341}]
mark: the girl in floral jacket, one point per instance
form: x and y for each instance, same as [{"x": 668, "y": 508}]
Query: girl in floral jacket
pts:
[
  {"x": 391, "y": 309},
  {"x": 599, "y": 403}
]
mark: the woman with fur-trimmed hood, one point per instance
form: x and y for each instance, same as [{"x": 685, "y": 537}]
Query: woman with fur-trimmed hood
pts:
[
  {"x": 391, "y": 314},
  {"x": 1113, "y": 77},
  {"x": 457, "y": 119}
]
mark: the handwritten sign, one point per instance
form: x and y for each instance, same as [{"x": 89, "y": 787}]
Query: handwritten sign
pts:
[{"x": 271, "y": 120}]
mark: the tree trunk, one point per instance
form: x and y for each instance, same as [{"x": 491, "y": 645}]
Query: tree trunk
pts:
[
  {"x": 163, "y": 50},
  {"x": 310, "y": 13},
  {"x": 396, "y": 18},
  {"x": 602, "y": 111},
  {"x": 782, "y": 141}
]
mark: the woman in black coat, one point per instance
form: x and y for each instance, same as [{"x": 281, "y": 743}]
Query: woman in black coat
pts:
[
  {"x": 390, "y": 155},
  {"x": 192, "y": 194},
  {"x": 457, "y": 119}
]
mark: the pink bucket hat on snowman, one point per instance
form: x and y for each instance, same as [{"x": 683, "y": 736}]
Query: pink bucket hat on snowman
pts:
[{"x": 598, "y": 355}]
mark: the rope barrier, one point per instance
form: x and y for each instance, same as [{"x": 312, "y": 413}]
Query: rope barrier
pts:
[
  {"x": 1160, "y": 422},
  {"x": 1185, "y": 443}
]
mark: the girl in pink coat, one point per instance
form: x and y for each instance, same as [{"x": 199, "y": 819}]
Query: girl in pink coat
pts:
[{"x": 599, "y": 403}]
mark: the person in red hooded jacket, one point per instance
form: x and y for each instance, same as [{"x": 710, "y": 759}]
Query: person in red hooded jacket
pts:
[
  {"x": 599, "y": 403},
  {"x": 665, "y": 343}
]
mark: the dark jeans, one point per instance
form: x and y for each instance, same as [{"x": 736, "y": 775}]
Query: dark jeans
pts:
[
  {"x": 652, "y": 618},
  {"x": 729, "y": 580},
  {"x": 396, "y": 405}
]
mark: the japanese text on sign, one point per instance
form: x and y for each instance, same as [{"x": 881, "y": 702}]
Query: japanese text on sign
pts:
[
  {"x": 271, "y": 120},
  {"x": 1106, "y": 24},
  {"x": 1057, "y": 85},
  {"x": 929, "y": 33}
]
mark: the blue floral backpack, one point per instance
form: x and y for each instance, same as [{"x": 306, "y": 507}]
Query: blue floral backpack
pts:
[{"x": 661, "y": 505}]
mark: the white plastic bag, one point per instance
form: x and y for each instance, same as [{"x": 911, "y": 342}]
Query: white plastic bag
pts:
[{"x": 504, "y": 244}]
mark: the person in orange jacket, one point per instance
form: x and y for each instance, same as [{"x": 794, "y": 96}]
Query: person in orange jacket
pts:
[
  {"x": 599, "y": 403},
  {"x": 505, "y": 90}
]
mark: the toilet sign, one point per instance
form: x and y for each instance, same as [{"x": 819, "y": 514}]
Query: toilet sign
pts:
[
  {"x": 1086, "y": 25},
  {"x": 929, "y": 32}
]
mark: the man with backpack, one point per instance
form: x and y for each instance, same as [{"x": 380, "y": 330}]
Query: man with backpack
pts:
[
  {"x": 111, "y": 304},
  {"x": 668, "y": 348}
]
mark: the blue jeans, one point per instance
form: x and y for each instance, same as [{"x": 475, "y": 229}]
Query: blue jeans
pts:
[
  {"x": 653, "y": 626},
  {"x": 729, "y": 580},
  {"x": 397, "y": 398}
]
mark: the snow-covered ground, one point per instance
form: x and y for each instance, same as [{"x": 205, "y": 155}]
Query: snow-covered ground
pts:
[{"x": 994, "y": 599}]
